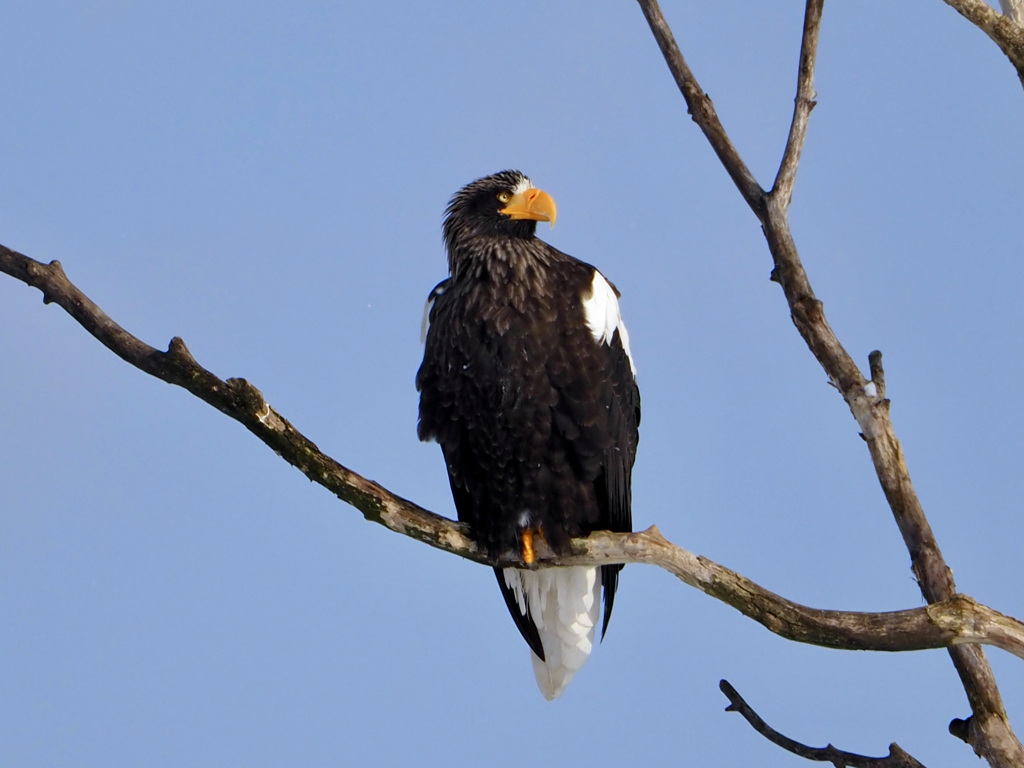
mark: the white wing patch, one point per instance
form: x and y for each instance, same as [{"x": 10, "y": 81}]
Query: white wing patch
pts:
[
  {"x": 565, "y": 605},
  {"x": 601, "y": 310},
  {"x": 425, "y": 322}
]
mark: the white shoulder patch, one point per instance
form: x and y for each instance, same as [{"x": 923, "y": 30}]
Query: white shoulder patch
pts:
[
  {"x": 601, "y": 310},
  {"x": 425, "y": 322}
]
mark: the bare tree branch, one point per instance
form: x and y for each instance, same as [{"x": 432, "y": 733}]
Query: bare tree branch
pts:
[
  {"x": 989, "y": 733},
  {"x": 702, "y": 110},
  {"x": 782, "y": 190},
  {"x": 896, "y": 758},
  {"x": 955, "y": 621},
  {"x": 1004, "y": 29},
  {"x": 892, "y": 631},
  {"x": 241, "y": 401}
]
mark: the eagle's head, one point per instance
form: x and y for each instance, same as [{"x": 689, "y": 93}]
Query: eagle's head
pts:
[{"x": 503, "y": 205}]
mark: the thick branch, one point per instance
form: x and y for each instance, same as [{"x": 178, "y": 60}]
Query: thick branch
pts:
[
  {"x": 955, "y": 621},
  {"x": 989, "y": 733},
  {"x": 1001, "y": 28},
  {"x": 896, "y": 758}
]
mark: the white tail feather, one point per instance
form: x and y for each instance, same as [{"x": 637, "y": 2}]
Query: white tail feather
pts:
[{"x": 565, "y": 605}]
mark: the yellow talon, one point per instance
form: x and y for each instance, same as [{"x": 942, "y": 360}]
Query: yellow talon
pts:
[{"x": 528, "y": 556}]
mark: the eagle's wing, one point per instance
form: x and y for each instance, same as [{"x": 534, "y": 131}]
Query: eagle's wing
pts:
[{"x": 619, "y": 400}]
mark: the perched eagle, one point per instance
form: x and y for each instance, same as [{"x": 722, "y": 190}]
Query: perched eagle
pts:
[{"x": 528, "y": 385}]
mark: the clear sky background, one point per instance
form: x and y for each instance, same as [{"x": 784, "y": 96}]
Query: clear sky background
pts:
[{"x": 267, "y": 181}]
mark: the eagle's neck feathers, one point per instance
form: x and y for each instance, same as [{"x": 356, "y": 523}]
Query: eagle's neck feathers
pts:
[{"x": 510, "y": 266}]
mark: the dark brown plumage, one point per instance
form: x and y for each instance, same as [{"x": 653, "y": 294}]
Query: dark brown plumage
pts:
[{"x": 528, "y": 386}]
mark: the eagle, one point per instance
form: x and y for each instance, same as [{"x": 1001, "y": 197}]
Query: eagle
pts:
[{"x": 528, "y": 385}]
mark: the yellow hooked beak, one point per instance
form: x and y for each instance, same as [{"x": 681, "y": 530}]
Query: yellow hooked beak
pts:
[{"x": 533, "y": 204}]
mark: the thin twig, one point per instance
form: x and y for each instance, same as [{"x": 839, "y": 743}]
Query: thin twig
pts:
[
  {"x": 701, "y": 108},
  {"x": 877, "y": 373},
  {"x": 804, "y": 102},
  {"x": 896, "y": 758}
]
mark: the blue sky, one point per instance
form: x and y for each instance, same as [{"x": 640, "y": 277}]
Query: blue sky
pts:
[{"x": 267, "y": 181}]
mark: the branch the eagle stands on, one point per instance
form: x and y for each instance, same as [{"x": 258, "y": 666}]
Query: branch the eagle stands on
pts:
[
  {"x": 950, "y": 620},
  {"x": 958, "y": 620}
]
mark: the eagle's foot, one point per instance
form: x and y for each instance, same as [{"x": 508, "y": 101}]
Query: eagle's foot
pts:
[{"x": 527, "y": 541}]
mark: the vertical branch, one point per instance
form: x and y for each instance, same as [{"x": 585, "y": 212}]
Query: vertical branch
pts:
[
  {"x": 988, "y": 729},
  {"x": 804, "y": 103}
]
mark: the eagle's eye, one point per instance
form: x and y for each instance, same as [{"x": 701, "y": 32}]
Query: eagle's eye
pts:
[{"x": 504, "y": 197}]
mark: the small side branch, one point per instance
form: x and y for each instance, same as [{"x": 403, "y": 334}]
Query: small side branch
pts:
[
  {"x": 701, "y": 108},
  {"x": 896, "y": 758},
  {"x": 877, "y": 373}
]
